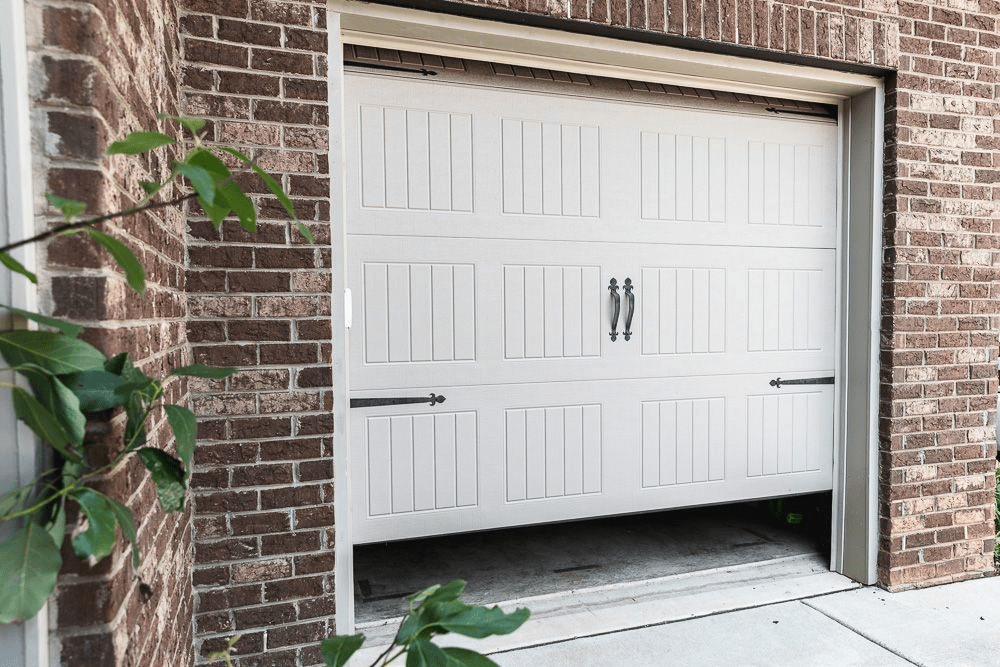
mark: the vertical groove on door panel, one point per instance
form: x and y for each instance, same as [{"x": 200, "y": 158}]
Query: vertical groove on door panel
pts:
[
  {"x": 667, "y": 179},
  {"x": 415, "y": 159},
  {"x": 701, "y": 184},
  {"x": 784, "y": 307},
  {"x": 684, "y": 175},
  {"x": 516, "y": 459},
  {"x": 555, "y": 448},
  {"x": 398, "y": 312},
  {"x": 372, "y": 157},
  {"x": 786, "y": 432},
  {"x": 533, "y": 165},
  {"x": 562, "y": 451},
  {"x": 421, "y": 314},
  {"x": 418, "y": 162},
  {"x": 466, "y": 460},
  {"x": 401, "y": 463},
  {"x": 379, "y": 470},
  {"x": 396, "y": 159},
  {"x": 683, "y": 441},
  {"x": 786, "y": 184},
  {"x": 571, "y": 171},
  {"x": 593, "y": 449},
  {"x": 424, "y": 479},
  {"x": 590, "y": 172},
  {"x": 649, "y": 176},
  {"x": 551, "y": 311},
  {"x": 550, "y": 168},
  {"x": 512, "y": 166},
  {"x": 535, "y": 438},
  {"x": 439, "y": 161},
  {"x": 376, "y": 303},
  {"x": 445, "y": 492},
  {"x": 463, "y": 196},
  {"x": 443, "y": 307},
  {"x": 717, "y": 180}
]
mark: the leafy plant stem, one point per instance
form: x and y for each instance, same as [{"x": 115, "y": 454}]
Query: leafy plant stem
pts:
[
  {"x": 400, "y": 652},
  {"x": 91, "y": 222}
]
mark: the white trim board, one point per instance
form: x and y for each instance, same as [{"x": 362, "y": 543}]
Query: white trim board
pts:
[
  {"x": 861, "y": 99},
  {"x": 24, "y": 644}
]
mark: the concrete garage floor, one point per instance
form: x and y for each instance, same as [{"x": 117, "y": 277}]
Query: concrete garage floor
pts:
[{"x": 554, "y": 566}]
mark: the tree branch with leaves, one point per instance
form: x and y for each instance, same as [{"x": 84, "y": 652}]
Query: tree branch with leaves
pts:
[{"x": 65, "y": 380}]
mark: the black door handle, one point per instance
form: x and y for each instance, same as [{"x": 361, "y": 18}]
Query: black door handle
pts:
[
  {"x": 613, "y": 288},
  {"x": 630, "y": 304}
]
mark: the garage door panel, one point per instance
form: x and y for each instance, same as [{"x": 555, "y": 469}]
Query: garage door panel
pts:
[
  {"x": 775, "y": 189},
  {"x": 484, "y": 228}
]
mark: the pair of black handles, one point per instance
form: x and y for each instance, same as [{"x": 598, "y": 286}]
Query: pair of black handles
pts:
[{"x": 630, "y": 304}]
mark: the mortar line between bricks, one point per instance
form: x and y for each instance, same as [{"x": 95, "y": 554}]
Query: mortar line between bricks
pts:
[{"x": 881, "y": 645}]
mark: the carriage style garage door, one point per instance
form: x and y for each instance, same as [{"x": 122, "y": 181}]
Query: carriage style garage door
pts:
[{"x": 602, "y": 278}]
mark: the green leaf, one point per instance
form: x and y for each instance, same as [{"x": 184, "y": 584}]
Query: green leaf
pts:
[
  {"x": 13, "y": 500},
  {"x": 71, "y": 330},
  {"x": 135, "y": 275},
  {"x": 168, "y": 475},
  {"x": 17, "y": 267},
  {"x": 185, "y": 428},
  {"x": 45, "y": 425},
  {"x": 306, "y": 232},
  {"x": 96, "y": 389},
  {"x": 124, "y": 517},
  {"x": 192, "y": 124},
  {"x": 439, "y": 593},
  {"x": 208, "y": 161},
  {"x": 269, "y": 181},
  {"x": 99, "y": 538},
  {"x": 201, "y": 179},
  {"x": 467, "y": 658},
  {"x": 56, "y": 525},
  {"x": 56, "y": 353},
  {"x": 422, "y": 653},
  {"x": 203, "y": 371},
  {"x": 150, "y": 187},
  {"x": 240, "y": 204},
  {"x": 29, "y": 566},
  {"x": 479, "y": 622},
  {"x": 68, "y": 207},
  {"x": 337, "y": 650},
  {"x": 57, "y": 399},
  {"x": 215, "y": 212},
  {"x": 140, "y": 142}
]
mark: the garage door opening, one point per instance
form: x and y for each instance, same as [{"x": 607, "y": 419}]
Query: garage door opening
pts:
[
  {"x": 678, "y": 563},
  {"x": 484, "y": 207}
]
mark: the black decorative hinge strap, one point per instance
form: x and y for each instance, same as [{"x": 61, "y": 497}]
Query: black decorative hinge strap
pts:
[
  {"x": 433, "y": 399},
  {"x": 777, "y": 382},
  {"x": 390, "y": 68}
]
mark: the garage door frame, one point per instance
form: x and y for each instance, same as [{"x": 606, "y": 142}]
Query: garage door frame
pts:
[{"x": 861, "y": 101}]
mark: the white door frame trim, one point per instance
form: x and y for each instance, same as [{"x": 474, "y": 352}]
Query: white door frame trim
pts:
[
  {"x": 17, "y": 222},
  {"x": 861, "y": 100}
]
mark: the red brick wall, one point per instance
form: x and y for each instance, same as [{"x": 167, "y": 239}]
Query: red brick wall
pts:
[
  {"x": 263, "y": 530},
  {"x": 98, "y": 70}
]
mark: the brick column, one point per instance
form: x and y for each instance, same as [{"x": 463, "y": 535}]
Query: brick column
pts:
[{"x": 263, "y": 490}]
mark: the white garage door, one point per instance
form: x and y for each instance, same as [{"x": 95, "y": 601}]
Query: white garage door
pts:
[{"x": 496, "y": 224}]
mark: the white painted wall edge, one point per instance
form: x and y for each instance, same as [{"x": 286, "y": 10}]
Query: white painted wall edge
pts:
[
  {"x": 25, "y": 644},
  {"x": 343, "y": 543}
]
